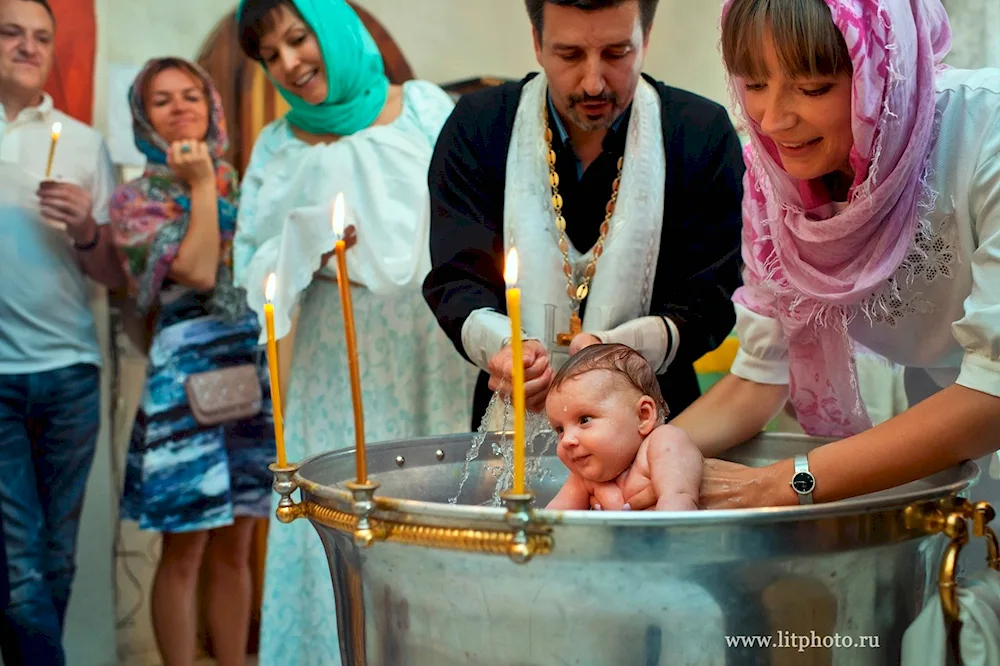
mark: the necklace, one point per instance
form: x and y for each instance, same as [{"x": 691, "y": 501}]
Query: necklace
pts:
[{"x": 576, "y": 292}]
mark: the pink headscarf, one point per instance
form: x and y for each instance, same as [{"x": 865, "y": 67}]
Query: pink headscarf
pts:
[{"x": 811, "y": 268}]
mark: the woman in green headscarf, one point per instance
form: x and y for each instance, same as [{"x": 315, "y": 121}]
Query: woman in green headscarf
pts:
[
  {"x": 293, "y": 39},
  {"x": 348, "y": 131}
]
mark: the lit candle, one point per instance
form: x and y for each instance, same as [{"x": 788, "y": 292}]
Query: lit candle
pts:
[
  {"x": 56, "y": 131},
  {"x": 517, "y": 366},
  {"x": 272, "y": 364},
  {"x": 352, "y": 346}
]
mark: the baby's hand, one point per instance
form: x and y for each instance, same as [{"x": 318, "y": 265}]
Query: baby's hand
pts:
[
  {"x": 643, "y": 500},
  {"x": 572, "y": 496},
  {"x": 608, "y": 497},
  {"x": 596, "y": 506}
]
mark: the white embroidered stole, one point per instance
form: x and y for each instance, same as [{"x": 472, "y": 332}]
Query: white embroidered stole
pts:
[{"x": 622, "y": 286}]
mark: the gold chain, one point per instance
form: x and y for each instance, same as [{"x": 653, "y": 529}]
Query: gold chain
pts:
[{"x": 578, "y": 293}]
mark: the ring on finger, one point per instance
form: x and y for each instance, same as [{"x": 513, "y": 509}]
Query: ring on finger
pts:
[{"x": 185, "y": 147}]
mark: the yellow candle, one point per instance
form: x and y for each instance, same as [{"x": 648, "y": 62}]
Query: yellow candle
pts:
[
  {"x": 344, "y": 285},
  {"x": 517, "y": 371},
  {"x": 272, "y": 364},
  {"x": 56, "y": 131}
]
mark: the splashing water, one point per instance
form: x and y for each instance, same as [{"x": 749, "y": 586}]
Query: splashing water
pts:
[{"x": 499, "y": 418}]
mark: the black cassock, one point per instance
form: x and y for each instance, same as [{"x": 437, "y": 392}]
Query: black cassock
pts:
[{"x": 699, "y": 260}]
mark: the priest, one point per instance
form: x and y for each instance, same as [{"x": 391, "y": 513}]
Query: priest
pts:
[{"x": 621, "y": 195}]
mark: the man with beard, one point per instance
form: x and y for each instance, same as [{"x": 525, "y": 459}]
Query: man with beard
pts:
[{"x": 621, "y": 195}]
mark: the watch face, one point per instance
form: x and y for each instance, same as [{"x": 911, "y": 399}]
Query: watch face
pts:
[{"x": 803, "y": 482}]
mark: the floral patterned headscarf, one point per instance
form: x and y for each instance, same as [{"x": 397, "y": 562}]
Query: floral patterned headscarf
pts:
[
  {"x": 813, "y": 268},
  {"x": 150, "y": 215}
]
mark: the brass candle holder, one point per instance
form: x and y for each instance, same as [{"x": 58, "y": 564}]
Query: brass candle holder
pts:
[
  {"x": 285, "y": 484},
  {"x": 364, "y": 503},
  {"x": 520, "y": 514},
  {"x": 359, "y": 516}
]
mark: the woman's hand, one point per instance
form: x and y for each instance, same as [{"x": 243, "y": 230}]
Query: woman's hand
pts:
[
  {"x": 197, "y": 262},
  {"x": 191, "y": 162},
  {"x": 728, "y": 485},
  {"x": 350, "y": 240}
]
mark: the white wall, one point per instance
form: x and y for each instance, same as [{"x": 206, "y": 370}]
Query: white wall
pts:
[
  {"x": 444, "y": 40},
  {"x": 975, "y": 41},
  {"x": 448, "y": 39}
]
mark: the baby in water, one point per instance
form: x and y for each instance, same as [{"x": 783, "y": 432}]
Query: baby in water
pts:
[{"x": 606, "y": 407}]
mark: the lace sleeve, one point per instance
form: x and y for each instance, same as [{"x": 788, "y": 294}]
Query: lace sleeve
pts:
[{"x": 978, "y": 331}]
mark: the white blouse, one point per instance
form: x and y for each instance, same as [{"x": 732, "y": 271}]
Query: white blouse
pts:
[
  {"x": 945, "y": 316},
  {"x": 286, "y": 203}
]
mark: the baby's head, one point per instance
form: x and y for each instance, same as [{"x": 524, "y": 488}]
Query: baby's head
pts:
[{"x": 602, "y": 404}]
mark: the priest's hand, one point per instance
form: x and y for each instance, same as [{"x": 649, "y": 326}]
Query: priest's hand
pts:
[
  {"x": 582, "y": 341},
  {"x": 537, "y": 373}
]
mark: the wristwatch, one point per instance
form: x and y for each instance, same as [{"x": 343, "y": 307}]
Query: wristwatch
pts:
[{"x": 803, "y": 483}]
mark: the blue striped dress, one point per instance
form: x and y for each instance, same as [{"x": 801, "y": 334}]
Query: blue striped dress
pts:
[{"x": 181, "y": 476}]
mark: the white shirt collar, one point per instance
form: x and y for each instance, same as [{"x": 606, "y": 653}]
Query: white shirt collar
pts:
[{"x": 39, "y": 112}]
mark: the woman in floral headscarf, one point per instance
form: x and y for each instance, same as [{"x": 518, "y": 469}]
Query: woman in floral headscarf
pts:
[
  {"x": 871, "y": 216},
  {"x": 197, "y": 464}
]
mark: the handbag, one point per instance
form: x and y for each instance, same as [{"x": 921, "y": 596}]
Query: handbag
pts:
[{"x": 228, "y": 394}]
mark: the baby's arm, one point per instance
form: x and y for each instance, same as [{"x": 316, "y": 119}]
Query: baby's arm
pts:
[
  {"x": 675, "y": 468},
  {"x": 573, "y": 495},
  {"x": 608, "y": 497}
]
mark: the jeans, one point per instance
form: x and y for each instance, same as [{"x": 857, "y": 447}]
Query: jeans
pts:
[{"x": 48, "y": 434}]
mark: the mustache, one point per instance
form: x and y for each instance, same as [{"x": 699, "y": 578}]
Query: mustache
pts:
[{"x": 609, "y": 97}]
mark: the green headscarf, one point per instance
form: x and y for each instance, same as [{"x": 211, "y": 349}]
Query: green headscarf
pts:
[{"x": 354, "y": 70}]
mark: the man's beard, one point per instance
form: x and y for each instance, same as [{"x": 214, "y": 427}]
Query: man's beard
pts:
[{"x": 586, "y": 124}]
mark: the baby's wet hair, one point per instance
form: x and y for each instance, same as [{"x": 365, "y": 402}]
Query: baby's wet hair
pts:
[{"x": 622, "y": 361}]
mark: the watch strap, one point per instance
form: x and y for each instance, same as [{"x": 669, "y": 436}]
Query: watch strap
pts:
[{"x": 92, "y": 244}]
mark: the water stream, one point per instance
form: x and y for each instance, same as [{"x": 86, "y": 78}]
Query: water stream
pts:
[{"x": 499, "y": 418}]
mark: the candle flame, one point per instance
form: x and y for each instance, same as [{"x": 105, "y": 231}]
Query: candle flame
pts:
[
  {"x": 56, "y": 130},
  {"x": 338, "y": 215},
  {"x": 270, "y": 287},
  {"x": 510, "y": 267}
]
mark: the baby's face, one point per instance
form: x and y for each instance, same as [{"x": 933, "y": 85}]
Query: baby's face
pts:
[{"x": 598, "y": 425}]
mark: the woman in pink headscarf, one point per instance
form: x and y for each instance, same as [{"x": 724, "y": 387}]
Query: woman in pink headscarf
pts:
[{"x": 871, "y": 217}]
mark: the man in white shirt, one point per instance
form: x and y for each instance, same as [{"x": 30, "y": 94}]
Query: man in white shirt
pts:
[{"x": 53, "y": 236}]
